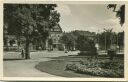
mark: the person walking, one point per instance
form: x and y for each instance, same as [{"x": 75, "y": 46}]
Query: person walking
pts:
[{"x": 22, "y": 53}]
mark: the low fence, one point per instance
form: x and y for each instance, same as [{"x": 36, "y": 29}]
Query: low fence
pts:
[
  {"x": 11, "y": 48},
  {"x": 18, "y": 48}
]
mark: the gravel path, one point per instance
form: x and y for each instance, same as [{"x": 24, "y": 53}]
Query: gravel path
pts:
[{"x": 15, "y": 67}]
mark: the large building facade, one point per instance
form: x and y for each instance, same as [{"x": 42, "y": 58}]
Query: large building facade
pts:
[{"x": 54, "y": 35}]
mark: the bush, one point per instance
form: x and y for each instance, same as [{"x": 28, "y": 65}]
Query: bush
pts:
[
  {"x": 87, "y": 53},
  {"x": 115, "y": 65},
  {"x": 61, "y": 48},
  {"x": 86, "y": 46}
]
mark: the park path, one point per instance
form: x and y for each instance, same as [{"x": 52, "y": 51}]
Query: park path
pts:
[{"x": 14, "y": 67}]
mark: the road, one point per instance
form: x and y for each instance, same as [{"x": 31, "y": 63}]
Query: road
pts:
[{"x": 15, "y": 67}]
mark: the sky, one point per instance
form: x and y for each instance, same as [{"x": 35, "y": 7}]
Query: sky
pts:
[{"x": 87, "y": 17}]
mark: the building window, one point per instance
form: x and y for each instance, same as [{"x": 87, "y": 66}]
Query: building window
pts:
[
  {"x": 12, "y": 42},
  {"x": 51, "y": 29},
  {"x": 54, "y": 40}
]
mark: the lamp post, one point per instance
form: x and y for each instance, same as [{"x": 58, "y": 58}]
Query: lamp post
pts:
[{"x": 105, "y": 42}]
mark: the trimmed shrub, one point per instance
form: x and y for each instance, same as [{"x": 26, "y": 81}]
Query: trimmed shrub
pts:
[
  {"x": 87, "y": 53},
  {"x": 60, "y": 47},
  {"x": 86, "y": 46}
]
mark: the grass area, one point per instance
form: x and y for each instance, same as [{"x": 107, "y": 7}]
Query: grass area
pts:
[
  {"x": 58, "y": 67},
  {"x": 77, "y": 66}
]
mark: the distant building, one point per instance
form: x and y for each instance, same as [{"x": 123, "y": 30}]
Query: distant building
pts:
[
  {"x": 13, "y": 42},
  {"x": 55, "y": 34}
]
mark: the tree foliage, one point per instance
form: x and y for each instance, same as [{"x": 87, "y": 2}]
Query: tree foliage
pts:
[
  {"x": 85, "y": 44},
  {"x": 119, "y": 13},
  {"x": 105, "y": 38},
  {"x": 121, "y": 38},
  {"x": 71, "y": 38},
  {"x": 30, "y": 20},
  {"x": 108, "y": 38},
  {"x": 68, "y": 39}
]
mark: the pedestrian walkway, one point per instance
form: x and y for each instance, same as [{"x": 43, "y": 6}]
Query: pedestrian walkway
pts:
[{"x": 15, "y": 67}]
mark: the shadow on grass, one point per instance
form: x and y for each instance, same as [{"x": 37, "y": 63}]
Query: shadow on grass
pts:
[{"x": 13, "y": 59}]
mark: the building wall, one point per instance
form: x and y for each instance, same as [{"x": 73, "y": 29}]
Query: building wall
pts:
[{"x": 55, "y": 34}]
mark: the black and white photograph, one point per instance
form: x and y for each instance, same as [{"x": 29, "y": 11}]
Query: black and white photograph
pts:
[{"x": 63, "y": 40}]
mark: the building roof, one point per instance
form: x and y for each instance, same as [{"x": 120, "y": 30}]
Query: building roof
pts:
[{"x": 56, "y": 28}]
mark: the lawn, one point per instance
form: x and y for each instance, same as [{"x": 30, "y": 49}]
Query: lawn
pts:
[
  {"x": 57, "y": 66},
  {"x": 83, "y": 66}
]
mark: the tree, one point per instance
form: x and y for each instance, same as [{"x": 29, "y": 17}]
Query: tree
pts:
[
  {"x": 30, "y": 21},
  {"x": 50, "y": 43},
  {"x": 69, "y": 40},
  {"x": 86, "y": 46},
  {"x": 119, "y": 13},
  {"x": 104, "y": 39},
  {"x": 120, "y": 39},
  {"x": 109, "y": 39}
]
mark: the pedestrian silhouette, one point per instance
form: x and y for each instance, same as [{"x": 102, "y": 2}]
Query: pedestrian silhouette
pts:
[{"x": 22, "y": 53}]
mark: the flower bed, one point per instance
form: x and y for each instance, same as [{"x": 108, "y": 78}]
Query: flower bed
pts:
[{"x": 98, "y": 68}]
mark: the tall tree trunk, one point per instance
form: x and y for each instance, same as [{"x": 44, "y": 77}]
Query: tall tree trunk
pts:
[{"x": 27, "y": 51}]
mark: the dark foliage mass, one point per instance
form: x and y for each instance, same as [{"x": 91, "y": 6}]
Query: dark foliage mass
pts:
[
  {"x": 83, "y": 41},
  {"x": 23, "y": 17},
  {"x": 119, "y": 13},
  {"x": 85, "y": 44},
  {"x": 32, "y": 21},
  {"x": 108, "y": 38},
  {"x": 71, "y": 39}
]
